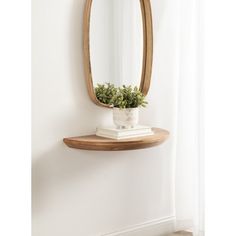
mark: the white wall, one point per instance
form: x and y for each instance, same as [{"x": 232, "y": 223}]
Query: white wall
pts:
[{"x": 89, "y": 193}]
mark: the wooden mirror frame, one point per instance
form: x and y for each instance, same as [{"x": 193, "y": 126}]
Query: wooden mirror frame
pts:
[{"x": 147, "y": 49}]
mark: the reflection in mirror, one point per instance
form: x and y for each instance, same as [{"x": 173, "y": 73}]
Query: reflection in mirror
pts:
[{"x": 116, "y": 42}]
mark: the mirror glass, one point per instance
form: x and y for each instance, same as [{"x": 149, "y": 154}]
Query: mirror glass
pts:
[{"x": 116, "y": 42}]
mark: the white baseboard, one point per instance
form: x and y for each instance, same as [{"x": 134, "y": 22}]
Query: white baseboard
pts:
[{"x": 156, "y": 227}]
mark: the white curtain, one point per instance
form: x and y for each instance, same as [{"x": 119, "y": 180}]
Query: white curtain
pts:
[{"x": 189, "y": 144}]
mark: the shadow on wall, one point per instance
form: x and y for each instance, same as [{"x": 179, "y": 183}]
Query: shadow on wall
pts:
[
  {"x": 59, "y": 167},
  {"x": 71, "y": 174},
  {"x": 76, "y": 55}
]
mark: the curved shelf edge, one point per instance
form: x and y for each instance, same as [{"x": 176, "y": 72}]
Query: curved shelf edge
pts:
[{"x": 93, "y": 142}]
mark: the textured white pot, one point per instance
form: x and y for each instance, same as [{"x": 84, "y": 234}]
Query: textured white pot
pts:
[{"x": 125, "y": 118}]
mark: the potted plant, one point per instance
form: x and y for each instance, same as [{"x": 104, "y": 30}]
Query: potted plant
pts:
[{"x": 125, "y": 101}]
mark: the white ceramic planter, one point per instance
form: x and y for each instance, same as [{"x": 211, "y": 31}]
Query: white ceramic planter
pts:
[{"x": 125, "y": 118}]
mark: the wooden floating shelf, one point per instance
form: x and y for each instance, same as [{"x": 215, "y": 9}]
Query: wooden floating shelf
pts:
[{"x": 96, "y": 143}]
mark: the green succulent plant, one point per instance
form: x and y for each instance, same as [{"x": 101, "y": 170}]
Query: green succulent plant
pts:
[
  {"x": 105, "y": 92},
  {"x": 122, "y": 97},
  {"x": 128, "y": 97}
]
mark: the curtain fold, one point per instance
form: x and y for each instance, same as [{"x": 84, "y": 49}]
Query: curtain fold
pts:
[{"x": 187, "y": 181}]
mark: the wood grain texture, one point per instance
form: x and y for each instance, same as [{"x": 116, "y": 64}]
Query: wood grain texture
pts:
[
  {"x": 147, "y": 46},
  {"x": 181, "y": 233},
  {"x": 93, "y": 142},
  {"x": 147, "y": 49}
]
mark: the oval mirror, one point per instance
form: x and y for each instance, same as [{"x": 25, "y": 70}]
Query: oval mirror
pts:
[{"x": 117, "y": 44}]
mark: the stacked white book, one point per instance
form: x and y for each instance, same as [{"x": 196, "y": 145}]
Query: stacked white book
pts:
[{"x": 115, "y": 133}]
